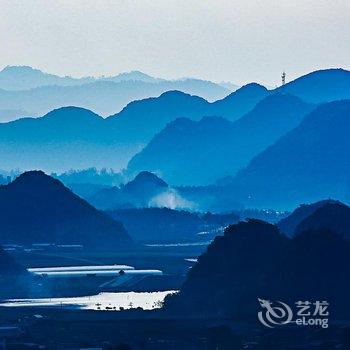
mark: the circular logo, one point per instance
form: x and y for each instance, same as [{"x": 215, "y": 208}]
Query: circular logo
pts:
[{"x": 274, "y": 313}]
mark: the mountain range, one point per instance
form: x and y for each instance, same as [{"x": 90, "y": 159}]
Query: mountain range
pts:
[
  {"x": 64, "y": 139},
  {"x": 307, "y": 164},
  {"x": 35, "y": 208},
  {"x": 37, "y": 93},
  {"x": 188, "y": 152},
  {"x": 74, "y": 138}
]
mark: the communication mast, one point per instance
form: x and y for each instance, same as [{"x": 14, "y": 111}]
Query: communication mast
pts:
[{"x": 283, "y": 76}]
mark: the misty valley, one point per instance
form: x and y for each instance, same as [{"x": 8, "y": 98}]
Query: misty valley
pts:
[{"x": 145, "y": 213}]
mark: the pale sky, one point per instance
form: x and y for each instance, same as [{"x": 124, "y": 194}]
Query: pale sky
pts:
[{"x": 238, "y": 40}]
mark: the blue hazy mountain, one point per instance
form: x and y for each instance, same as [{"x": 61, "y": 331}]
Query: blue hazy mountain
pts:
[
  {"x": 107, "y": 95},
  {"x": 140, "y": 120},
  {"x": 28, "y": 89},
  {"x": 133, "y": 75},
  {"x": 229, "y": 85},
  {"x": 240, "y": 102},
  {"x": 253, "y": 259},
  {"x": 74, "y": 138},
  {"x": 66, "y": 138},
  {"x": 321, "y": 86},
  {"x": 137, "y": 193},
  {"x": 143, "y": 119},
  {"x": 60, "y": 143},
  {"x": 35, "y": 208},
  {"x": 26, "y": 78},
  {"x": 289, "y": 224},
  {"x": 307, "y": 164},
  {"x": 188, "y": 152}
]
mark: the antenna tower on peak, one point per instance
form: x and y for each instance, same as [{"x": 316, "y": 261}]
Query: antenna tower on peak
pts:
[{"x": 283, "y": 76}]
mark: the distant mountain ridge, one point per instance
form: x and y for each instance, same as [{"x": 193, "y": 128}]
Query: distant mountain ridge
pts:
[
  {"x": 74, "y": 138},
  {"x": 26, "y": 78},
  {"x": 188, "y": 152},
  {"x": 66, "y": 138},
  {"x": 240, "y": 102},
  {"x": 37, "y": 93},
  {"x": 122, "y": 135},
  {"x": 320, "y": 86},
  {"x": 140, "y": 120}
]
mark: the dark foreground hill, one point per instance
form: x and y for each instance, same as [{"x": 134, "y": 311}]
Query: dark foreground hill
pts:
[
  {"x": 36, "y": 208},
  {"x": 309, "y": 163},
  {"x": 333, "y": 216},
  {"x": 289, "y": 224},
  {"x": 253, "y": 261}
]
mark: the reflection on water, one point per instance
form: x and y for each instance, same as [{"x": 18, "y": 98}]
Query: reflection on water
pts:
[
  {"x": 101, "y": 301},
  {"x": 192, "y": 244}
]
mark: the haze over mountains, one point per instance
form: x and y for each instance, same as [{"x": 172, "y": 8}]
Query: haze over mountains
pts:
[
  {"x": 307, "y": 164},
  {"x": 200, "y": 152},
  {"x": 66, "y": 138},
  {"x": 37, "y": 93},
  {"x": 145, "y": 190},
  {"x": 267, "y": 136},
  {"x": 74, "y": 138}
]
